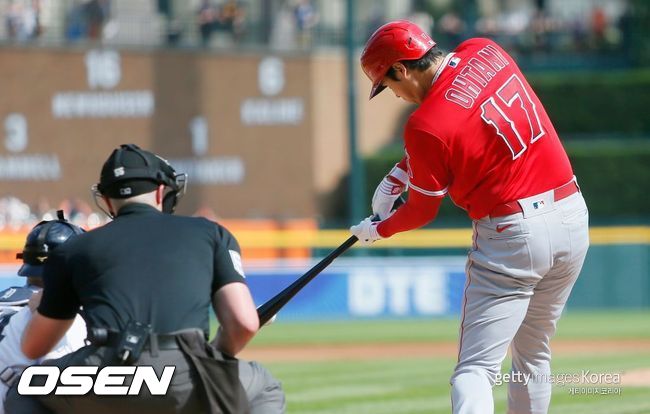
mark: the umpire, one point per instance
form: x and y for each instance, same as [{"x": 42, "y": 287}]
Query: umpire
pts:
[{"x": 145, "y": 283}]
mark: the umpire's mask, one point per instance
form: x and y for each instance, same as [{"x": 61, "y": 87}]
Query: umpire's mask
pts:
[{"x": 131, "y": 171}]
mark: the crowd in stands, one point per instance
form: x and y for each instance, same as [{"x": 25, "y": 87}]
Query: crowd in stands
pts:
[
  {"x": 530, "y": 29},
  {"x": 536, "y": 30},
  {"x": 227, "y": 23},
  {"x": 83, "y": 20},
  {"x": 288, "y": 24},
  {"x": 16, "y": 215}
]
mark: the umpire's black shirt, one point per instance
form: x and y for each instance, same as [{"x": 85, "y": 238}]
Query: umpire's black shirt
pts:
[{"x": 145, "y": 266}]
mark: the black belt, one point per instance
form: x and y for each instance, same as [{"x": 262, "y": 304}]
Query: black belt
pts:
[{"x": 161, "y": 341}]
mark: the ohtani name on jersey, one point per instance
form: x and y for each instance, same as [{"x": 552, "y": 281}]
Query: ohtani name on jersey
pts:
[{"x": 475, "y": 76}]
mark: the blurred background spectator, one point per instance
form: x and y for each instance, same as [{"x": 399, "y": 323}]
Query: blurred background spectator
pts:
[
  {"x": 85, "y": 20},
  {"x": 207, "y": 14},
  {"x": 232, "y": 19},
  {"x": 225, "y": 22},
  {"x": 14, "y": 214},
  {"x": 96, "y": 13},
  {"x": 306, "y": 19},
  {"x": 22, "y": 20}
]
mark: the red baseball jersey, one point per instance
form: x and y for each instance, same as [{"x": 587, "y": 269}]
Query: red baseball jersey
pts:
[{"x": 481, "y": 134}]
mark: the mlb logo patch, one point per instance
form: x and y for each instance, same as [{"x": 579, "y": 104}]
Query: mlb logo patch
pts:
[
  {"x": 538, "y": 204},
  {"x": 453, "y": 62}
]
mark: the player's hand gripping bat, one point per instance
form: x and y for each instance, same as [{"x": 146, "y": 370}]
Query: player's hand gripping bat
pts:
[{"x": 268, "y": 310}]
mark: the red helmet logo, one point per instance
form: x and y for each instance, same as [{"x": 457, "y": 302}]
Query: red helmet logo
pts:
[{"x": 392, "y": 42}]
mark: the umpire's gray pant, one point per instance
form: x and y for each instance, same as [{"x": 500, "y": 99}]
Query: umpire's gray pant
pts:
[{"x": 263, "y": 391}]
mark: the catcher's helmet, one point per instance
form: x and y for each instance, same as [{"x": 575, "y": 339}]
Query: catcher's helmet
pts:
[
  {"x": 41, "y": 240},
  {"x": 392, "y": 42},
  {"x": 131, "y": 171}
]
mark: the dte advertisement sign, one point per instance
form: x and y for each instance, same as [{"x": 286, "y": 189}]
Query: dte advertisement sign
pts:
[
  {"x": 357, "y": 288},
  {"x": 366, "y": 289}
]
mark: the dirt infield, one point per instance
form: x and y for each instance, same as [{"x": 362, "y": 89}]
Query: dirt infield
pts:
[
  {"x": 334, "y": 352},
  {"x": 636, "y": 378}
]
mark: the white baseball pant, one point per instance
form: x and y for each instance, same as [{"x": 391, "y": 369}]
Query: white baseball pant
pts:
[{"x": 520, "y": 272}]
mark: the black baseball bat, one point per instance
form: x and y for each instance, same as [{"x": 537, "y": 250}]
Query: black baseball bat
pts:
[{"x": 267, "y": 310}]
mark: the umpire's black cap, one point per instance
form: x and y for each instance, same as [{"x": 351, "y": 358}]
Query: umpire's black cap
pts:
[{"x": 131, "y": 171}]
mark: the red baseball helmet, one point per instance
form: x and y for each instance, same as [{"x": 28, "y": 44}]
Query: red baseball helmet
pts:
[{"x": 392, "y": 42}]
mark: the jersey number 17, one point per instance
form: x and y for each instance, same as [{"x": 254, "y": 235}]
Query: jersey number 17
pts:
[{"x": 515, "y": 124}]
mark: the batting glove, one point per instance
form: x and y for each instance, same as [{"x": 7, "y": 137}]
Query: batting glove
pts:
[
  {"x": 366, "y": 231},
  {"x": 389, "y": 190}
]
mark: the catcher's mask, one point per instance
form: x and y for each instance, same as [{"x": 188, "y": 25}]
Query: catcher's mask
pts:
[
  {"x": 131, "y": 171},
  {"x": 41, "y": 240}
]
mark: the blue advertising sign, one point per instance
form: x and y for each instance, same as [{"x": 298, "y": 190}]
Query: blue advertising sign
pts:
[
  {"x": 363, "y": 288},
  {"x": 353, "y": 288}
]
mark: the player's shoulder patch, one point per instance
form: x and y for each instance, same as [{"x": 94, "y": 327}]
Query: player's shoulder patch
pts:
[{"x": 16, "y": 296}]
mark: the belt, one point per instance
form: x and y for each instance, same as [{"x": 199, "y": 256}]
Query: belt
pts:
[
  {"x": 514, "y": 207},
  {"x": 162, "y": 342}
]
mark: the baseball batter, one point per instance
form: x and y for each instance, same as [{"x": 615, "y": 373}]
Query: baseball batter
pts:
[{"x": 481, "y": 135}]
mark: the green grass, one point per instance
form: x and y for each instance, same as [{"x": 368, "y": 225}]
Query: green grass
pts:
[
  {"x": 611, "y": 325},
  {"x": 405, "y": 385},
  {"x": 573, "y": 325},
  {"x": 413, "y": 386},
  {"x": 394, "y": 331}
]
